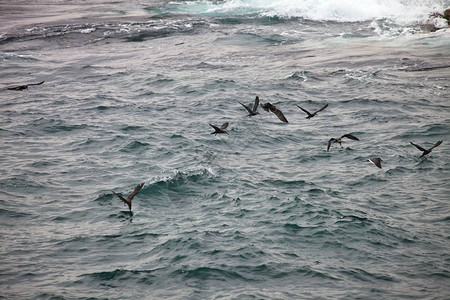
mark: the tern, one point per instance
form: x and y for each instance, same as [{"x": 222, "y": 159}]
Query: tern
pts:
[
  {"x": 310, "y": 115},
  {"x": 252, "y": 112},
  {"x": 426, "y": 151},
  {"x": 23, "y": 87},
  {"x": 272, "y": 108},
  {"x": 220, "y": 129},
  {"x": 339, "y": 140},
  {"x": 131, "y": 196}
]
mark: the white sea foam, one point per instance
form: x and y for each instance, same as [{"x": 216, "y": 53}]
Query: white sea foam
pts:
[
  {"x": 87, "y": 30},
  {"x": 401, "y": 11}
]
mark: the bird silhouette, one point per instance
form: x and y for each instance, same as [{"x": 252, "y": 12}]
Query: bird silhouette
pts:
[
  {"x": 339, "y": 140},
  {"x": 376, "y": 161},
  {"x": 310, "y": 115},
  {"x": 220, "y": 129},
  {"x": 127, "y": 201},
  {"x": 272, "y": 108},
  {"x": 252, "y": 112},
  {"x": 23, "y": 87},
  {"x": 426, "y": 151}
]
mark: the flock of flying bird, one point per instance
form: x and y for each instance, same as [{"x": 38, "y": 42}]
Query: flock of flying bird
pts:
[
  {"x": 272, "y": 108},
  {"x": 253, "y": 112}
]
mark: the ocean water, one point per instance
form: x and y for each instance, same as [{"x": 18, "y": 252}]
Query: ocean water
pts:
[{"x": 264, "y": 212}]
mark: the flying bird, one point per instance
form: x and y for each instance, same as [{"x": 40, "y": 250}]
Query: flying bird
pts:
[
  {"x": 220, "y": 129},
  {"x": 131, "y": 196},
  {"x": 339, "y": 140},
  {"x": 23, "y": 87},
  {"x": 426, "y": 151},
  {"x": 310, "y": 115},
  {"x": 272, "y": 108},
  {"x": 376, "y": 161},
  {"x": 252, "y": 112},
  {"x": 266, "y": 106}
]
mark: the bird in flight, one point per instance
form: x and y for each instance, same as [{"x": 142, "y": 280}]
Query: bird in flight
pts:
[
  {"x": 220, "y": 129},
  {"x": 272, "y": 108},
  {"x": 426, "y": 151},
  {"x": 339, "y": 140},
  {"x": 310, "y": 115},
  {"x": 376, "y": 161},
  {"x": 23, "y": 87},
  {"x": 127, "y": 201},
  {"x": 254, "y": 111}
]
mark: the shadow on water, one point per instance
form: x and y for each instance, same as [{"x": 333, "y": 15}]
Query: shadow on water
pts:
[{"x": 125, "y": 216}]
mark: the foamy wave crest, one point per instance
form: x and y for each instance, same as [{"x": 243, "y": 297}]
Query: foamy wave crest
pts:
[
  {"x": 181, "y": 177},
  {"x": 402, "y": 11}
]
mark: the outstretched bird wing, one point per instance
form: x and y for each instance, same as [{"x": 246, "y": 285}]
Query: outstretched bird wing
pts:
[
  {"x": 437, "y": 144},
  {"x": 246, "y": 107},
  {"x": 18, "y": 88},
  {"x": 215, "y": 127},
  {"x": 329, "y": 143},
  {"x": 418, "y": 147},
  {"x": 350, "y": 136},
  {"x": 39, "y": 83},
  {"x": 255, "y": 105},
  {"x": 224, "y": 126},
  {"x": 120, "y": 197},
  {"x": 23, "y": 87},
  {"x": 279, "y": 114},
  {"x": 266, "y": 106},
  {"x": 321, "y": 109},
  {"x": 136, "y": 190},
  {"x": 309, "y": 114},
  {"x": 376, "y": 161}
]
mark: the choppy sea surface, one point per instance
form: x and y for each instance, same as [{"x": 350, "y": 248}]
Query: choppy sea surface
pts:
[{"x": 264, "y": 212}]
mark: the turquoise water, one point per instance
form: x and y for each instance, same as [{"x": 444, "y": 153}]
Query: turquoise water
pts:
[{"x": 264, "y": 212}]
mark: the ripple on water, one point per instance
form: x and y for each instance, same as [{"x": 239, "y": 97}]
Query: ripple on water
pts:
[
  {"x": 21, "y": 183},
  {"x": 366, "y": 276},
  {"x": 119, "y": 275},
  {"x": 135, "y": 146},
  {"x": 14, "y": 214},
  {"x": 56, "y": 126},
  {"x": 209, "y": 274}
]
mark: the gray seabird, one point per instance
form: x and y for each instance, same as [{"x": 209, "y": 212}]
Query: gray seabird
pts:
[
  {"x": 131, "y": 196},
  {"x": 376, "y": 161},
  {"x": 252, "y": 112},
  {"x": 339, "y": 140},
  {"x": 310, "y": 115},
  {"x": 426, "y": 151},
  {"x": 220, "y": 129},
  {"x": 23, "y": 87},
  {"x": 272, "y": 108}
]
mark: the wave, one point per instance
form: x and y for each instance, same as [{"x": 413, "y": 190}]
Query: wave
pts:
[
  {"x": 74, "y": 35},
  {"x": 223, "y": 272},
  {"x": 53, "y": 32},
  {"x": 55, "y": 125},
  {"x": 15, "y": 57},
  {"x": 12, "y": 214},
  {"x": 135, "y": 146},
  {"x": 210, "y": 273},
  {"x": 118, "y": 274},
  {"x": 298, "y": 183},
  {"x": 401, "y": 11},
  {"x": 367, "y": 276},
  {"x": 182, "y": 182},
  {"x": 21, "y": 183}
]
